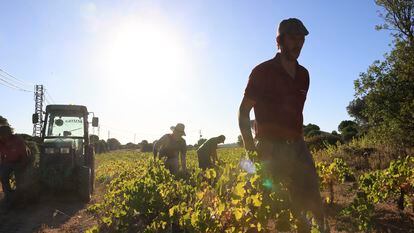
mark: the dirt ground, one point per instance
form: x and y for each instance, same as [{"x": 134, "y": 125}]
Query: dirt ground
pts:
[
  {"x": 62, "y": 212},
  {"x": 388, "y": 218}
]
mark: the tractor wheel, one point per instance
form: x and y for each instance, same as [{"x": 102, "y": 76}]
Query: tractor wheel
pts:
[
  {"x": 90, "y": 162},
  {"x": 84, "y": 184}
]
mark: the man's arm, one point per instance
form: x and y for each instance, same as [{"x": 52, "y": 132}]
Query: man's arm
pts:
[
  {"x": 244, "y": 123},
  {"x": 157, "y": 146},
  {"x": 155, "y": 150},
  {"x": 214, "y": 156}
]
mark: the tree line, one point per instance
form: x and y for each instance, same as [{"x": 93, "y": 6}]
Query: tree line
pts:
[
  {"x": 318, "y": 139},
  {"x": 383, "y": 107}
]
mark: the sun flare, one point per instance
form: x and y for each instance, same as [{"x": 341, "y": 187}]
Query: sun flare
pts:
[{"x": 145, "y": 53}]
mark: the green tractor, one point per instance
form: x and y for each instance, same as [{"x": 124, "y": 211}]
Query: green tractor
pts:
[{"x": 67, "y": 159}]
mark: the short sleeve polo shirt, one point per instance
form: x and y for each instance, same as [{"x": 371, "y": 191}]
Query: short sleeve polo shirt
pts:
[{"x": 279, "y": 100}]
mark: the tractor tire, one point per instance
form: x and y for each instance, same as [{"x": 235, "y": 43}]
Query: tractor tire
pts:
[
  {"x": 92, "y": 177},
  {"x": 90, "y": 162},
  {"x": 84, "y": 183}
]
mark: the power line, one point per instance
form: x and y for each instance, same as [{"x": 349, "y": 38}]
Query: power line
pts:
[
  {"x": 47, "y": 100},
  {"x": 6, "y": 85},
  {"x": 4, "y": 78},
  {"x": 12, "y": 82},
  {"x": 11, "y": 85},
  {"x": 13, "y": 77},
  {"x": 50, "y": 97}
]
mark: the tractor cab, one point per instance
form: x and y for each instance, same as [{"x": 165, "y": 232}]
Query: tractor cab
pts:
[{"x": 66, "y": 156}]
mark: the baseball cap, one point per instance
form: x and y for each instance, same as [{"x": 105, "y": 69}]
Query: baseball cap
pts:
[{"x": 292, "y": 26}]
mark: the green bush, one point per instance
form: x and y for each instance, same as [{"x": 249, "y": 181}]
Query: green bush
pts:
[{"x": 319, "y": 142}]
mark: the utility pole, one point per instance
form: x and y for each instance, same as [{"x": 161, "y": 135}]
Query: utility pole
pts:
[
  {"x": 38, "y": 98},
  {"x": 109, "y": 134}
]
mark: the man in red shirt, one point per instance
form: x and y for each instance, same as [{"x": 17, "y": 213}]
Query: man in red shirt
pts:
[
  {"x": 277, "y": 91},
  {"x": 13, "y": 153}
]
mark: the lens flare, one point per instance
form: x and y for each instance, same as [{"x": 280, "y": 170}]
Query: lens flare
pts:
[
  {"x": 248, "y": 166},
  {"x": 267, "y": 183}
]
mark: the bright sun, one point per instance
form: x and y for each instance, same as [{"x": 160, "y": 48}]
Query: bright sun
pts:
[{"x": 145, "y": 53}]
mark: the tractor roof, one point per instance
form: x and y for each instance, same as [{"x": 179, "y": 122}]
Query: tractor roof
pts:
[{"x": 66, "y": 108}]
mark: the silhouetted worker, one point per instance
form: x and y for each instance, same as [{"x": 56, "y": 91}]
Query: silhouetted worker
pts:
[
  {"x": 171, "y": 146},
  {"x": 13, "y": 153},
  {"x": 207, "y": 152},
  {"x": 277, "y": 90}
]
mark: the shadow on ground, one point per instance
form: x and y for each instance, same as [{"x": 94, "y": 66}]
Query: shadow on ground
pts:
[
  {"x": 387, "y": 219},
  {"x": 393, "y": 220},
  {"x": 47, "y": 211}
]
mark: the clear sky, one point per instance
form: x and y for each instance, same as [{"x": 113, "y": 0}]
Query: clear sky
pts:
[{"x": 142, "y": 66}]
